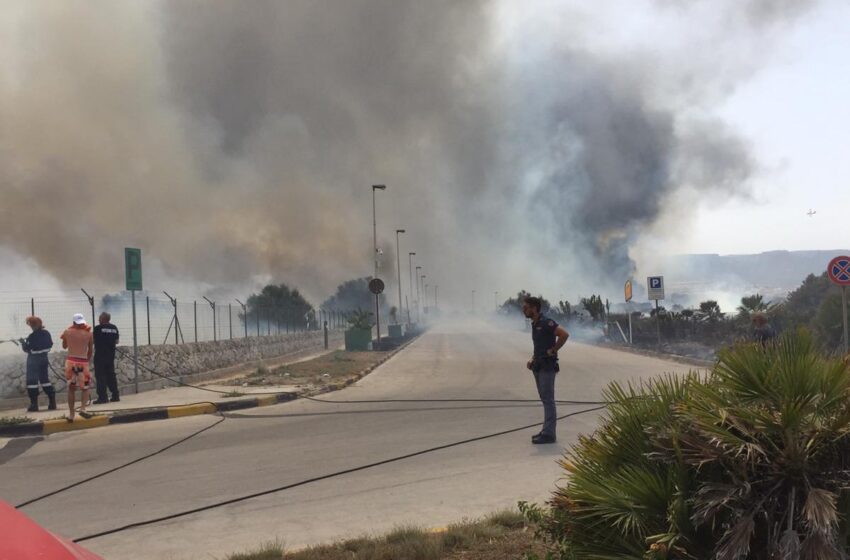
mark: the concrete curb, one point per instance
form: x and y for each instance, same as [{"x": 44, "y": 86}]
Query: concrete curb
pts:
[
  {"x": 47, "y": 427},
  {"x": 660, "y": 355}
]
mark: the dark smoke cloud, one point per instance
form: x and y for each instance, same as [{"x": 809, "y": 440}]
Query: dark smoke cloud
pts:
[{"x": 236, "y": 143}]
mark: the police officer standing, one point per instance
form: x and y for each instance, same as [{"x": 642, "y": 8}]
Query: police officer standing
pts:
[
  {"x": 548, "y": 337},
  {"x": 37, "y": 345},
  {"x": 105, "y": 341}
]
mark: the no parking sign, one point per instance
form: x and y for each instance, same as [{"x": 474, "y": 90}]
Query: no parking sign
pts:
[{"x": 838, "y": 271}]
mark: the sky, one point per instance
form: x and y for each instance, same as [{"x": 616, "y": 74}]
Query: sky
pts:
[{"x": 556, "y": 145}]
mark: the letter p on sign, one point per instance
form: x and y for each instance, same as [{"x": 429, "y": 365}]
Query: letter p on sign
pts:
[{"x": 133, "y": 268}]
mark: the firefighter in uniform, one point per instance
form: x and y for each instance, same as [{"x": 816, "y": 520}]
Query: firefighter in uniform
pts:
[
  {"x": 548, "y": 337},
  {"x": 37, "y": 345},
  {"x": 105, "y": 341}
]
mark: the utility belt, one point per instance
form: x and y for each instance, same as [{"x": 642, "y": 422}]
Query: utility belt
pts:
[
  {"x": 45, "y": 351},
  {"x": 549, "y": 363}
]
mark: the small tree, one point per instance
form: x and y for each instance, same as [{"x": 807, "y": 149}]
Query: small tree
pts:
[
  {"x": 710, "y": 310},
  {"x": 595, "y": 306},
  {"x": 750, "y": 305}
]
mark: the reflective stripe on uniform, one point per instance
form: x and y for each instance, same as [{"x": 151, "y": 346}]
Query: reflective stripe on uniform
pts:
[
  {"x": 45, "y": 351},
  {"x": 32, "y": 386}
]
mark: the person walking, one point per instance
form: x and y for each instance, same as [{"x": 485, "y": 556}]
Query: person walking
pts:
[
  {"x": 77, "y": 339},
  {"x": 37, "y": 345},
  {"x": 105, "y": 340},
  {"x": 548, "y": 337}
]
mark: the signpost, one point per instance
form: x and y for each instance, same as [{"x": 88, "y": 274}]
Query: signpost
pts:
[
  {"x": 655, "y": 289},
  {"x": 376, "y": 286},
  {"x": 628, "y": 291},
  {"x": 838, "y": 271},
  {"x": 133, "y": 281}
]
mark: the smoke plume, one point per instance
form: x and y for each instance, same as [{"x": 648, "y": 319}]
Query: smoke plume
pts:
[{"x": 237, "y": 142}]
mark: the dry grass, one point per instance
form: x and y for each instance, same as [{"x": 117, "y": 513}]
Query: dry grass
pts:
[
  {"x": 502, "y": 536},
  {"x": 329, "y": 368},
  {"x": 12, "y": 420}
]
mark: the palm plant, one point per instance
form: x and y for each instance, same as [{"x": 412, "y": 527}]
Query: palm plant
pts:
[{"x": 749, "y": 461}]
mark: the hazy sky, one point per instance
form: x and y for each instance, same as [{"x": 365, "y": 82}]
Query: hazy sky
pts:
[{"x": 534, "y": 143}]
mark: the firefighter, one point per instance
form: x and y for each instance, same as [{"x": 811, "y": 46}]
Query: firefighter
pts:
[{"x": 37, "y": 345}]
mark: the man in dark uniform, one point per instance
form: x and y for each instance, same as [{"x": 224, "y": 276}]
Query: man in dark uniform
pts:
[
  {"x": 37, "y": 345},
  {"x": 548, "y": 337},
  {"x": 105, "y": 341}
]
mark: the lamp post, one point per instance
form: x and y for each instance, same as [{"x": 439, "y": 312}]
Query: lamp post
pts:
[
  {"x": 410, "y": 278},
  {"x": 496, "y": 300},
  {"x": 418, "y": 268},
  {"x": 398, "y": 267},
  {"x": 375, "y": 225},
  {"x": 436, "y": 307},
  {"x": 425, "y": 291},
  {"x": 424, "y": 295}
]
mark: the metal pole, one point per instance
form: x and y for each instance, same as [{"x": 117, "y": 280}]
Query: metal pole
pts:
[
  {"x": 377, "y": 319},
  {"x": 326, "y": 335},
  {"x": 398, "y": 266},
  {"x": 195, "y": 311},
  {"x": 32, "y": 306},
  {"x": 418, "y": 317},
  {"x": 148, "y": 316},
  {"x": 473, "y": 302},
  {"x": 257, "y": 311},
  {"x": 230, "y": 318},
  {"x": 410, "y": 277},
  {"x": 135, "y": 344},
  {"x": 844, "y": 311},
  {"x": 629, "y": 311},
  {"x": 436, "y": 307},
  {"x": 244, "y": 317},
  {"x": 375, "y": 225},
  {"x": 91, "y": 303},
  {"x": 657, "y": 323},
  {"x": 176, "y": 324}
]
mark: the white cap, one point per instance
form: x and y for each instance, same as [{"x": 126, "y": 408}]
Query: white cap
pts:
[{"x": 79, "y": 319}]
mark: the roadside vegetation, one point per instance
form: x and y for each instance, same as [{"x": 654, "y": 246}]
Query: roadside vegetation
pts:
[
  {"x": 502, "y": 536},
  {"x": 12, "y": 420},
  {"x": 700, "y": 331},
  {"x": 329, "y": 368},
  {"x": 748, "y": 461}
]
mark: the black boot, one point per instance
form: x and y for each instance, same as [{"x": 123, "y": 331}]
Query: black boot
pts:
[
  {"x": 33, "y": 394},
  {"x": 51, "y": 397}
]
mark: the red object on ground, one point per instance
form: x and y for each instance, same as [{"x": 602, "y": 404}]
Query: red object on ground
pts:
[{"x": 21, "y": 538}]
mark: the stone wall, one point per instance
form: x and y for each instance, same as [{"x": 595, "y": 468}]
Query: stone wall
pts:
[{"x": 176, "y": 361}]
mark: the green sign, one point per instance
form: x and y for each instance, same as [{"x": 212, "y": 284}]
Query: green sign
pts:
[{"x": 133, "y": 268}]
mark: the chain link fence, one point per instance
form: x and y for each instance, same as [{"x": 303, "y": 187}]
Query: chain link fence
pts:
[{"x": 159, "y": 320}]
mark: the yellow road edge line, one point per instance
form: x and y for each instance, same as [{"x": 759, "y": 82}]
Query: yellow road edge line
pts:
[
  {"x": 80, "y": 423},
  {"x": 190, "y": 410}
]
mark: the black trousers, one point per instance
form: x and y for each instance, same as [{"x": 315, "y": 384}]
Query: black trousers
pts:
[{"x": 104, "y": 375}]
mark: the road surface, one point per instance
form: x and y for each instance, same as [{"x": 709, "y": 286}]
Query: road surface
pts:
[{"x": 275, "y": 446}]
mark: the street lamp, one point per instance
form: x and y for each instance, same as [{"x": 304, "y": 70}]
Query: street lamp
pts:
[
  {"x": 418, "y": 268},
  {"x": 398, "y": 266},
  {"x": 375, "y": 224},
  {"x": 410, "y": 278},
  {"x": 424, "y": 295}
]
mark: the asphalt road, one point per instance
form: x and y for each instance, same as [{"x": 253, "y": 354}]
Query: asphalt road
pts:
[{"x": 275, "y": 446}]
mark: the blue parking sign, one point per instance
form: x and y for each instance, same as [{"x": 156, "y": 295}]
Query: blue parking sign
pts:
[{"x": 655, "y": 287}]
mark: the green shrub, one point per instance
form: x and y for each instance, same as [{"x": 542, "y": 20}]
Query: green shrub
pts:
[{"x": 750, "y": 461}]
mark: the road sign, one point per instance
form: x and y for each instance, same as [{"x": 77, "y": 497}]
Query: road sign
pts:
[
  {"x": 839, "y": 270},
  {"x": 133, "y": 268},
  {"x": 655, "y": 287},
  {"x": 628, "y": 290},
  {"x": 376, "y": 286}
]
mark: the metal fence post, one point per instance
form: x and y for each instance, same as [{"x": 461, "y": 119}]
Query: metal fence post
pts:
[
  {"x": 148, "y": 308},
  {"x": 195, "y": 311}
]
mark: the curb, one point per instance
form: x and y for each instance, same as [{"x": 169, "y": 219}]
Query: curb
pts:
[
  {"x": 660, "y": 355},
  {"x": 48, "y": 427}
]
